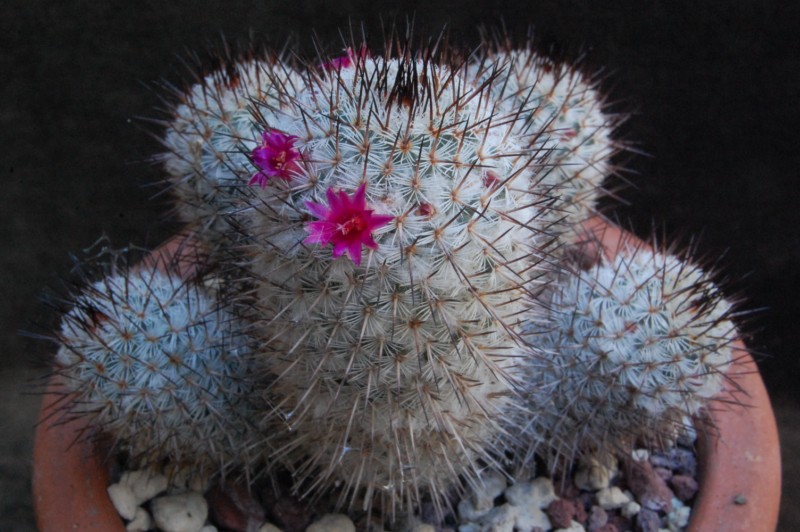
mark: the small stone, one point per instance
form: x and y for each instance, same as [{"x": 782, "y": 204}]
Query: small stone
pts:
[
  {"x": 740, "y": 500},
  {"x": 611, "y": 498},
  {"x": 538, "y": 492},
  {"x": 185, "y": 512},
  {"x": 595, "y": 474},
  {"x": 597, "y": 518},
  {"x": 580, "y": 510},
  {"x": 530, "y": 518},
  {"x": 680, "y": 461},
  {"x": 287, "y": 512},
  {"x": 630, "y": 510},
  {"x": 685, "y": 487},
  {"x": 573, "y": 527},
  {"x": 608, "y": 527},
  {"x": 678, "y": 518},
  {"x": 663, "y": 472},
  {"x": 647, "y": 521},
  {"x": 144, "y": 484},
  {"x": 486, "y": 490},
  {"x": 650, "y": 489},
  {"x": 640, "y": 455},
  {"x": 208, "y": 528},
  {"x": 561, "y": 512},
  {"x": 268, "y": 527},
  {"x": 467, "y": 512},
  {"x": 332, "y": 523},
  {"x": 500, "y": 518},
  {"x": 233, "y": 507},
  {"x": 124, "y": 500},
  {"x": 141, "y": 522}
]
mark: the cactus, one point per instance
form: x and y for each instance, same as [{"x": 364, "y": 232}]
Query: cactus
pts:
[
  {"x": 636, "y": 345},
  {"x": 206, "y": 147},
  {"x": 156, "y": 363},
  {"x": 394, "y": 233},
  {"x": 560, "y": 111},
  {"x": 394, "y": 347}
]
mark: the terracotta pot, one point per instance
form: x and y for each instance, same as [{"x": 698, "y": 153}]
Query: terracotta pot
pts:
[{"x": 740, "y": 478}]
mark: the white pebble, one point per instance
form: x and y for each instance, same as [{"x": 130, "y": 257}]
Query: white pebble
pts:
[
  {"x": 678, "y": 518},
  {"x": 268, "y": 527},
  {"x": 611, "y": 498},
  {"x": 144, "y": 484},
  {"x": 630, "y": 510},
  {"x": 208, "y": 528},
  {"x": 529, "y": 517},
  {"x": 141, "y": 522},
  {"x": 185, "y": 512},
  {"x": 574, "y": 526},
  {"x": 538, "y": 492},
  {"x": 500, "y": 518},
  {"x": 593, "y": 474},
  {"x": 481, "y": 500},
  {"x": 486, "y": 490},
  {"x": 332, "y": 523},
  {"x": 640, "y": 455},
  {"x": 124, "y": 500}
]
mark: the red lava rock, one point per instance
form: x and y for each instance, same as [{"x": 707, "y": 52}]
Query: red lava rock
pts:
[
  {"x": 598, "y": 518},
  {"x": 289, "y": 513},
  {"x": 233, "y": 507},
  {"x": 684, "y": 486},
  {"x": 647, "y": 521},
  {"x": 580, "y": 511},
  {"x": 650, "y": 489},
  {"x": 561, "y": 512},
  {"x": 566, "y": 490},
  {"x": 663, "y": 472},
  {"x": 680, "y": 461},
  {"x": 620, "y": 522},
  {"x": 608, "y": 527}
]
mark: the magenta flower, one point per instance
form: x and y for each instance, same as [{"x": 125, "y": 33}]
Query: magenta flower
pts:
[
  {"x": 276, "y": 157},
  {"x": 345, "y": 222},
  {"x": 345, "y": 61}
]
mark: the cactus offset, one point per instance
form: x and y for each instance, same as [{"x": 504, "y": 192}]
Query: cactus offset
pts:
[
  {"x": 561, "y": 112},
  {"x": 157, "y": 364},
  {"x": 637, "y": 344},
  {"x": 206, "y": 139}
]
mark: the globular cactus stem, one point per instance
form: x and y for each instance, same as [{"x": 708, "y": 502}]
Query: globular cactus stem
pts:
[
  {"x": 156, "y": 363},
  {"x": 635, "y": 345}
]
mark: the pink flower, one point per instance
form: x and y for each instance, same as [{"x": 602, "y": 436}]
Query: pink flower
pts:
[
  {"x": 345, "y": 222},
  {"x": 276, "y": 157},
  {"x": 345, "y": 61}
]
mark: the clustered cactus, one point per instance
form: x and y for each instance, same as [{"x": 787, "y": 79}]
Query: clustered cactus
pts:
[
  {"x": 160, "y": 365},
  {"x": 399, "y": 302}
]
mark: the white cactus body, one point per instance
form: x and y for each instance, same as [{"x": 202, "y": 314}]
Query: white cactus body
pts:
[
  {"x": 207, "y": 139},
  {"x": 395, "y": 373},
  {"x": 635, "y": 345},
  {"x": 158, "y": 365},
  {"x": 560, "y": 112}
]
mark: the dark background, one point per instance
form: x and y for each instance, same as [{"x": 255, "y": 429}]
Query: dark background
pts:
[{"x": 712, "y": 88}]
